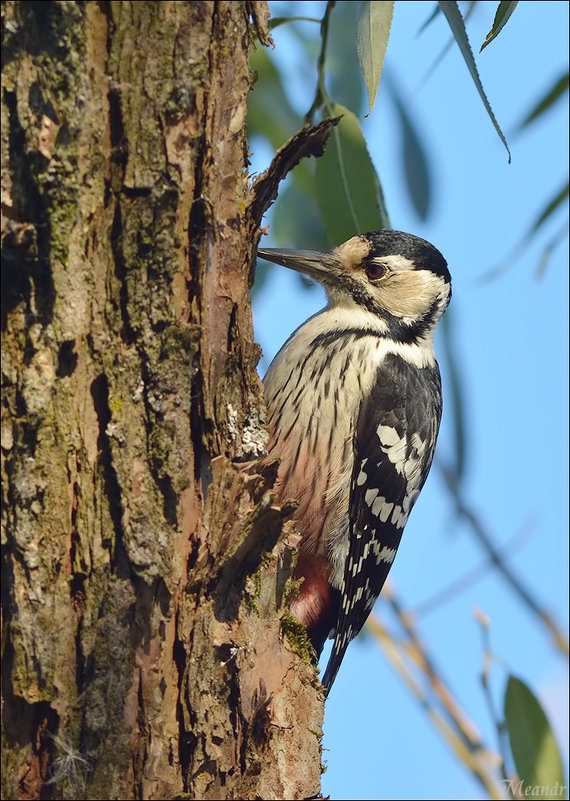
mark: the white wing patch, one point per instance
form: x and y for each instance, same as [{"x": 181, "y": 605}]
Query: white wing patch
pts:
[
  {"x": 388, "y": 435},
  {"x": 383, "y": 510},
  {"x": 369, "y": 497},
  {"x": 393, "y": 445},
  {"x": 382, "y": 553},
  {"x": 407, "y": 460},
  {"x": 362, "y": 478}
]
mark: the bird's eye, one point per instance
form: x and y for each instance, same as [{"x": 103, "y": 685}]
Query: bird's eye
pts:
[{"x": 375, "y": 270}]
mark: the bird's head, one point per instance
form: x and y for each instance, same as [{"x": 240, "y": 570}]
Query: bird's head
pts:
[{"x": 398, "y": 277}]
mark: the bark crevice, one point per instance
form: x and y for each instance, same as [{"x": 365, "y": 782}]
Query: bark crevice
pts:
[{"x": 146, "y": 565}]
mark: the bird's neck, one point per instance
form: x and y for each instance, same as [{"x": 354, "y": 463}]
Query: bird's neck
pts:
[
  {"x": 337, "y": 321},
  {"x": 346, "y": 326}
]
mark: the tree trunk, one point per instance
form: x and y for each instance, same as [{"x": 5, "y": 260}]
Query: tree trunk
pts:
[{"x": 148, "y": 650}]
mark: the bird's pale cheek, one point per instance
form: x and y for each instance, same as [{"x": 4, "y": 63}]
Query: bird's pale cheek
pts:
[{"x": 409, "y": 294}]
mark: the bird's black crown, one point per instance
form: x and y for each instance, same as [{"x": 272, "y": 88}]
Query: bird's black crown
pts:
[{"x": 421, "y": 252}]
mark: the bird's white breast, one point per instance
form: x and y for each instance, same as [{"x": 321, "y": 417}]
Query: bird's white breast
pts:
[{"x": 314, "y": 389}]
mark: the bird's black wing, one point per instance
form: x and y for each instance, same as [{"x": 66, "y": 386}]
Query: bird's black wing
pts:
[{"x": 394, "y": 444}]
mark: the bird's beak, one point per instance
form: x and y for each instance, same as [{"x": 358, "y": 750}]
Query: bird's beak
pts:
[{"x": 317, "y": 264}]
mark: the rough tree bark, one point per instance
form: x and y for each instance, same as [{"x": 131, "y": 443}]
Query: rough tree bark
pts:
[{"x": 148, "y": 651}]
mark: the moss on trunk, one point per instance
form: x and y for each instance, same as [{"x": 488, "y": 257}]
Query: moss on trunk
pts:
[{"x": 143, "y": 652}]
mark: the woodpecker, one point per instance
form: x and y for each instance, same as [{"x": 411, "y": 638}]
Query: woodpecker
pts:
[{"x": 354, "y": 406}]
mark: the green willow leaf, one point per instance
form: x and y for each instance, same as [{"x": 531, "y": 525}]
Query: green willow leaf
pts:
[
  {"x": 437, "y": 61},
  {"x": 373, "y": 22},
  {"x": 430, "y": 19},
  {"x": 275, "y": 22},
  {"x": 344, "y": 75},
  {"x": 299, "y": 219},
  {"x": 559, "y": 88},
  {"x": 414, "y": 157},
  {"x": 504, "y": 11},
  {"x": 269, "y": 112},
  {"x": 457, "y": 25},
  {"x": 535, "y": 751},
  {"x": 551, "y": 245},
  {"x": 550, "y": 208},
  {"x": 346, "y": 184}
]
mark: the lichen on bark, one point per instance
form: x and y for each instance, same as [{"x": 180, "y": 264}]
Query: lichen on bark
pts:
[{"x": 143, "y": 647}]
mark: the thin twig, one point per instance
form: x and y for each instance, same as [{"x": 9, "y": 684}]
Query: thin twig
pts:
[
  {"x": 450, "y": 720},
  {"x": 321, "y": 93},
  {"x": 470, "y": 577},
  {"x": 498, "y": 722},
  {"x": 487, "y": 541}
]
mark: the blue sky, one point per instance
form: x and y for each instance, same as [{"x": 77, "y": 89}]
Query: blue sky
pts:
[{"x": 511, "y": 339}]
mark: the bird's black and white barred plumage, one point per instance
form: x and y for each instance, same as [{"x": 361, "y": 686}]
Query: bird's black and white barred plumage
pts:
[
  {"x": 394, "y": 444},
  {"x": 354, "y": 402}
]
